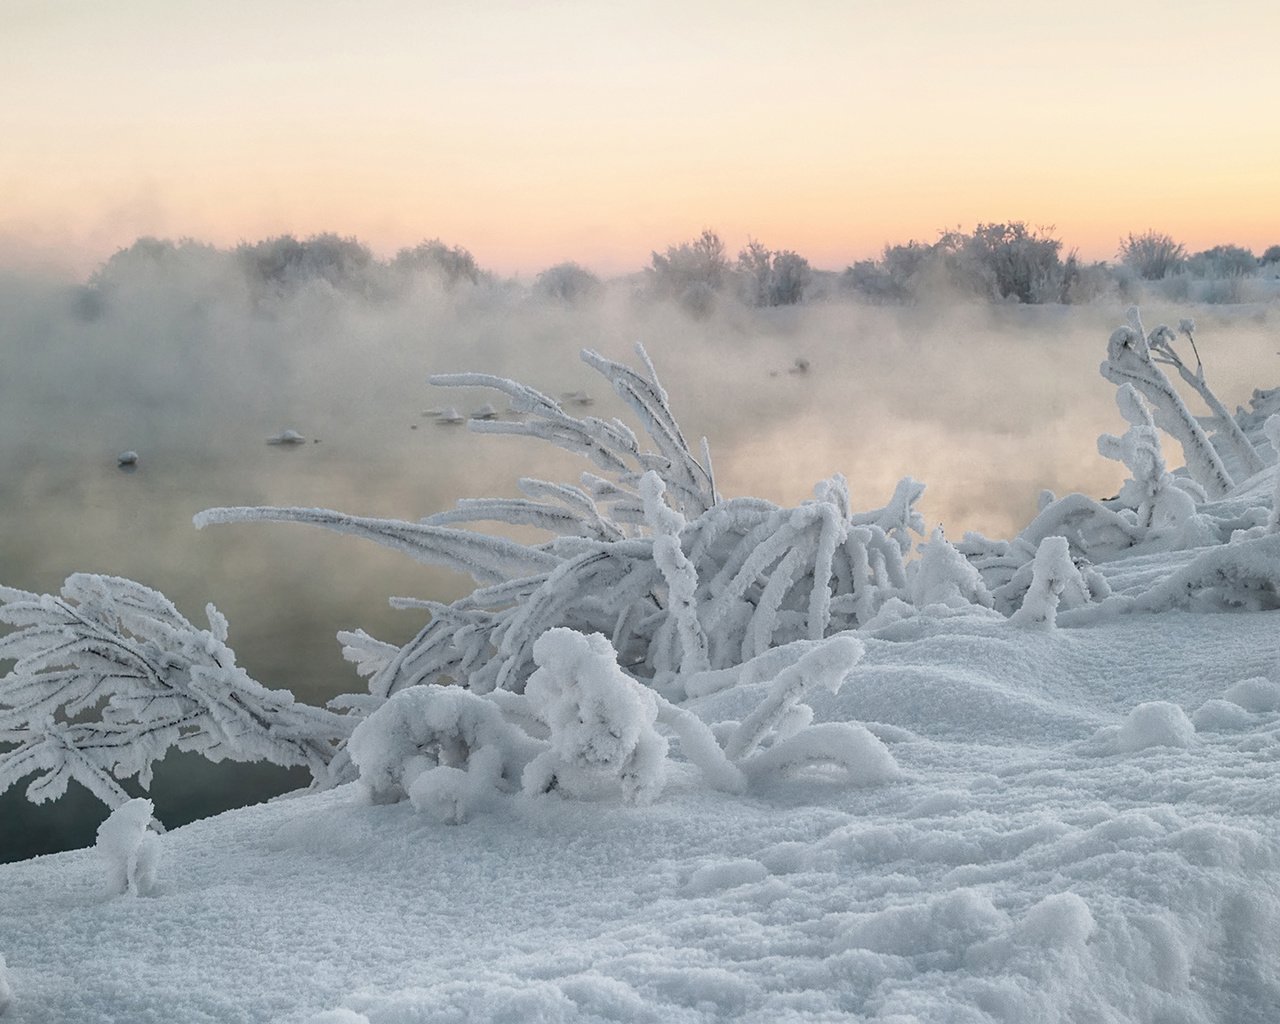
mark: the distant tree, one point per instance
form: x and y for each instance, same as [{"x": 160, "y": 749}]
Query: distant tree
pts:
[
  {"x": 868, "y": 279},
  {"x": 1022, "y": 263},
  {"x": 1222, "y": 261},
  {"x": 994, "y": 261},
  {"x": 771, "y": 278},
  {"x": 283, "y": 264},
  {"x": 1272, "y": 255},
  {"x": 1152, "y": 255},
  {"x": 453, "y": 265},
  {"x": 183, "y": 267},
  {"x": 692, "y": 273},
  {"x": 567, "y": 282},
  {"x": 1083, "y": 282}
]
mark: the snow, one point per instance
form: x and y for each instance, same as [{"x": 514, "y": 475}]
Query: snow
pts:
[{"x": 1010, "y": 872}]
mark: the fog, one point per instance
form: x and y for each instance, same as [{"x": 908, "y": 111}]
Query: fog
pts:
[{"x": 179, "y": 355}]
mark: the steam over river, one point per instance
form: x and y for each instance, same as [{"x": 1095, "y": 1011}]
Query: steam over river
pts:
[{"x": 984, "y": 405}]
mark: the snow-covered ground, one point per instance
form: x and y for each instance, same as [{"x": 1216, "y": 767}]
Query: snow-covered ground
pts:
[{"x": 1028, "y": 865}]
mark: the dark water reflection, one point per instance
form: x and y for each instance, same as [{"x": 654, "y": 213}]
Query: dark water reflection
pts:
[{"x": 986, "y": 407}]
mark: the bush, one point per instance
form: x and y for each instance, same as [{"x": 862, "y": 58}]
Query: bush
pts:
[
  {"x": 1021, "y": 263},
  {"x": 1272, "y": 255},
  {"x": 1151, "y": 254},
  {"x": 870, "y": 280},
  {"x": 772, "y": 278},
  {"x": 692, "y": 273},
  {"x": 567, "y": 282},
  {"x": 453, "y": 265},
  {"x": 995, "y": 261},
  {"x": 1222, "y": 261},
  {"x": 282, "y": 265}
]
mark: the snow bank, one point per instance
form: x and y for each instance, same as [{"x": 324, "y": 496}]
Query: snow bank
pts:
[{"x": 1008, "y": 873}]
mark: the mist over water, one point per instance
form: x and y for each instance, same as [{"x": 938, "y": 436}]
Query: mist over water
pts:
[{"x": 194, "y": 369}]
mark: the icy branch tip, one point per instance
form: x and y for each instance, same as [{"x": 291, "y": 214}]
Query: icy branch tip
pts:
[{"x": 218, "y": 516}]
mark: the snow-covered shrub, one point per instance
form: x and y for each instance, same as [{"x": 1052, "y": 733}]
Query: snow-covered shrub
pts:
[
  {"x": 1271, "y": 428},
  {"x": 130, "y": 849},
  {"x": 1055, "y": 582},
  {"x": 600, "y": 721},
  {"x": 443, "y": 747},
  {"x": 650, "y": 567},
  {"x": 1130, "y": 361},
  {"x": 779, "y": 735},
  {"x": 1243, "y": 575},
  {"x": 1158, "y": 502},
  {"x": 942, "y": 576},
  {"x": 154, "y": 682}
]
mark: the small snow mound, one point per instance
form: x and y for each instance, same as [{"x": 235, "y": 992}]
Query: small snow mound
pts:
[
  {"x": 1220, "y": 716},
  {"x": 132, "y": 853},
  {"x": 286, "y": 437},
  {"x": 1057, "y": 922},
  {"x": 126, "y": 459},
  {"x": 1156, "y": 723},
  {"x": 1257, "y": 694},
  {"x": 726, "y": 875},
  {"x": 951, "y": 923},
  {"x": 339, "y": 1016}
]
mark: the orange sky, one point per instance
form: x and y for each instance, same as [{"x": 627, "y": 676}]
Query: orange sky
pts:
[{"x": 536, "y": 132}]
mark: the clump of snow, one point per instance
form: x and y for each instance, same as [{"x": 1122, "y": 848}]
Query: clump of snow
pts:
[
  {"x": 601, "y": 721},
  {"x": 443, "y": 747},
  {"x": 286, "y": 437},
  {"x": 1220, "y": 716},
  {"x": 131, "y": 851},
  {"x": 1156, "y": 723},
  {"x": 1057, "y": 921},
  {"x": 127, "y": 459},
  {"x": 1055, "y": 581},
  {"x": 848, "y": 745},
  {"x": 1257, "y": 694},
  {"x": 943, "y": 577}
]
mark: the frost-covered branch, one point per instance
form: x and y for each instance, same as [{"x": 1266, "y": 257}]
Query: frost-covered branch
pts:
[
  {"x": 108, "y": 677},
  {"x": 486, "y": 559},
  {"x": 1245, "y": 457},
  {"x": 609, "y": 444},
  {"x": 1129, "y": 361},
  {"x": 1154, "y": 495}
]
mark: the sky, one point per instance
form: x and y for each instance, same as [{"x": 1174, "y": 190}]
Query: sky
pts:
[{"x": 532, "y": 133}]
